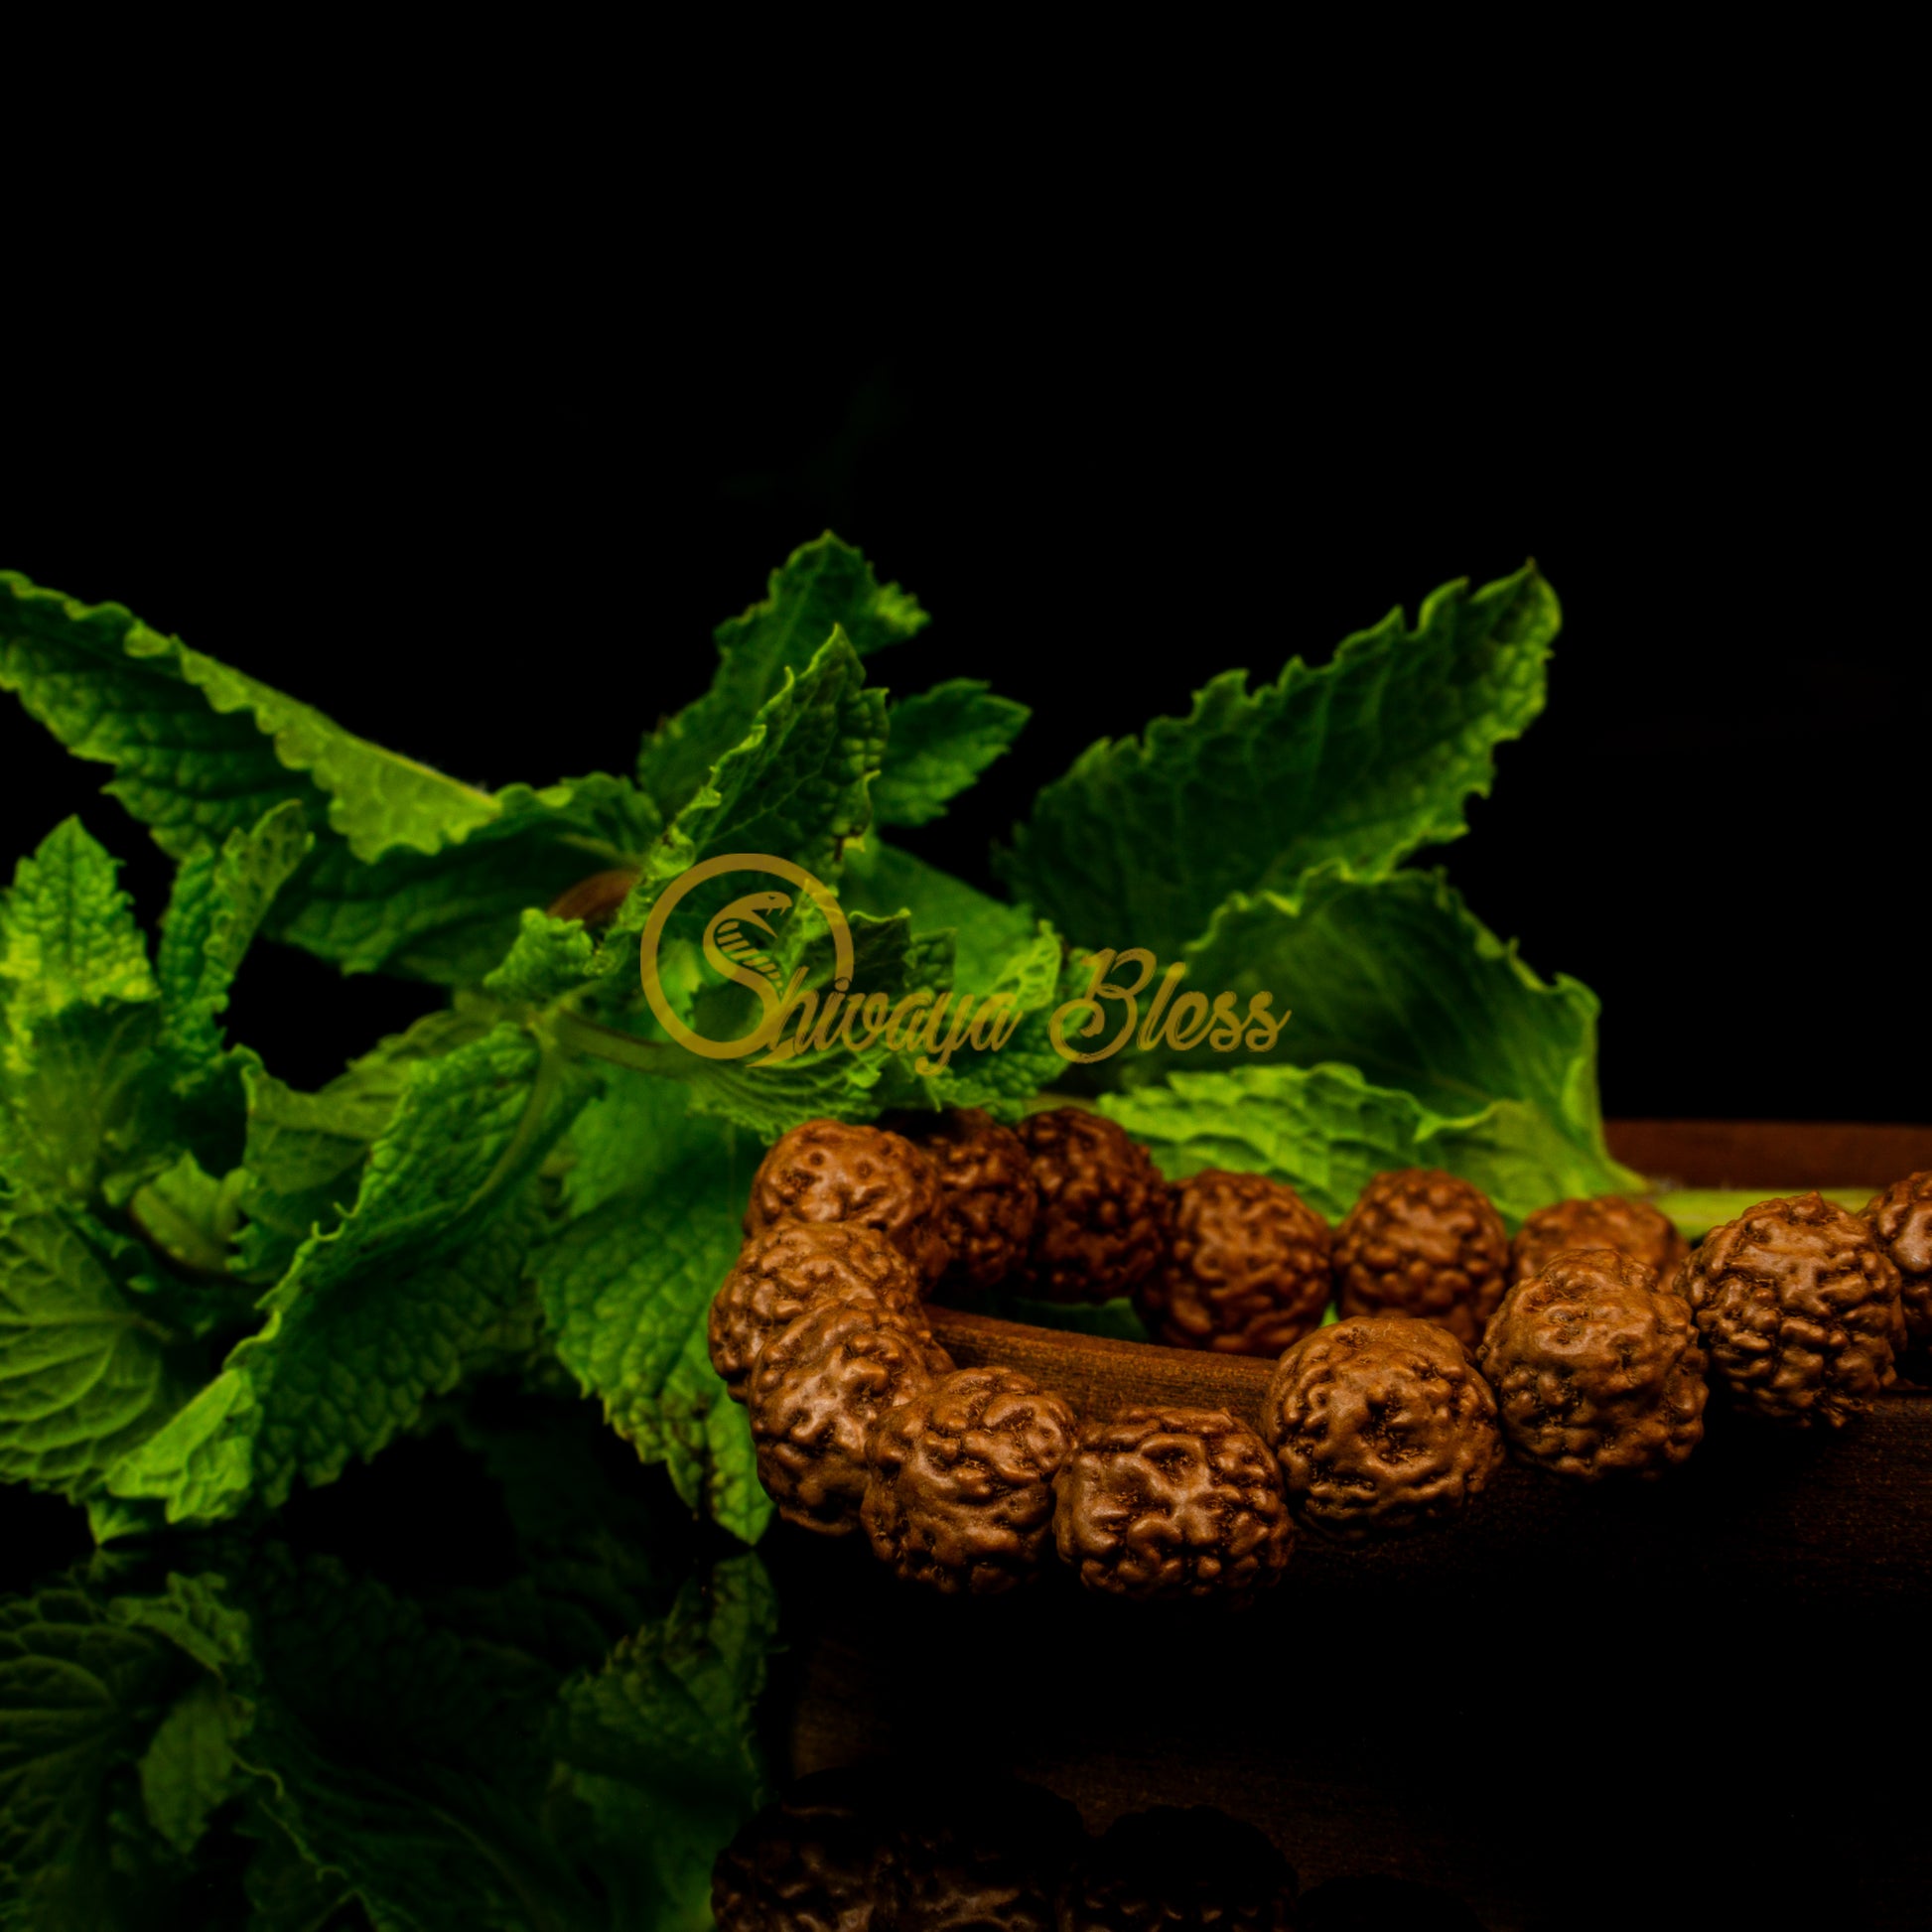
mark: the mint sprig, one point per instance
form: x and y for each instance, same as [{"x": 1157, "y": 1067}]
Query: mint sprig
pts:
[{"x": 215, "y": 1287}]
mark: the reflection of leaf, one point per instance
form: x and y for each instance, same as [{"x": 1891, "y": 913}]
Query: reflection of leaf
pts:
[
  {"x": 82, "y": 1689},
  {"x": 77, "y": 1697},
  {"x": 658, "y": 1747}
]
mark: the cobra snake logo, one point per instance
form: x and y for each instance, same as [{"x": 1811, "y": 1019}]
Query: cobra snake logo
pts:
[{"x": 732, "y": 952}]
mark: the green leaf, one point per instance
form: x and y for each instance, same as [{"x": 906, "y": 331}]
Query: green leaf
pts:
[
  {"x": 84, "y": 1110},
  {"x": 303, "y": 1154},
  {"x": 1361, "y": 760},
  {"x": 383, "y": 1312},
  {"x": 201, "y": 751},
  {"x": 822, "y": 585},
  {"x": 220, "y": 901},
  {"x": 188, "y": 1216},
  {"x": 80, "y": 1022},
  {"x": 796, "y": 785},
  {"x": 80, "y": 1693},
  {"x": 881, "y": 880},
  {"x": 658, "y": 1746},
  {"x": 940, "y": 742},
  {"x": 85, "y": 1373},
  {"x": 412, "y": 872},
  {"x": 1327, "y": 1132},
  {"x": 625, "y": 1291},
  {"x": 1397, "y": 977},
  {"x": 67, "y": 936},
  {"x": 551, "y": 957},
  {"x": 451, "y": 917}
]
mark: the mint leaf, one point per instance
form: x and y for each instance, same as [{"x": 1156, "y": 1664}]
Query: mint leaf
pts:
[
  {"x": 303, "y": 1160},
  {"x": 796, "y": 786},
  {"x": 822, "y": 585},
  {"x": 220, "y": 897},
  {"x": 67, "y": 936},
  {"x": 1361, "y": 760},
  {"x": 658, "y": 1747},
  {"x": 881, "y": 880},
  {"x": 188, "y": 1216},
  {"x": 626, "y": 1290},
  {"x": 551, "y": 957},
  {"x": 1327, "y": 1132},
  {"x": 413, "y": 872},
  {"x": 940, "y": 742},
  {"x": 79, "y": 1024},
  {"x": 1397, "y": 977},
  {"x": 84, "y": 1364},
  {"x": 201, "y": 751},
  {"x": 384, "y": 1311},
  {"x": 451, "y": 917}
]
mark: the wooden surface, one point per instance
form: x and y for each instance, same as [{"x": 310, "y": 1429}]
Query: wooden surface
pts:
[{"x": 1779, "y": 1157}]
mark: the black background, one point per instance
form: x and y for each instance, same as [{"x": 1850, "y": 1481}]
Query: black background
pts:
[
  {"x": 504, "y": 555},
  {"x": 502, "y": 548}
]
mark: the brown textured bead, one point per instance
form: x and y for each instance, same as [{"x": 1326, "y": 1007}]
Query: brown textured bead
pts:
[
  {"x": 1595, "y": 1369},
  {"x": 1171, "y": 1867},
  {"x": 783, "y": 1272},
  {"x": 976, "y": 1852},
  {"x": 988, "y": 1199},
  {"x": 1797, "y": 1302},
  {"x": 1381, "y": 1425},
  {"x": 1421, "y": 1242},
  {"x": 833, "y": 1170},
  {"x": 1901, "y": 1217},
  {"x": 816, "y": 1389},
  {"x": 1173, "y": 1502},
  {"x": 1631, "y": 1227},
  {"x": 1247, "y": 1266},
  {"x": 1103, "y": 1207},
  {"x": 960, "y": 1490}
]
